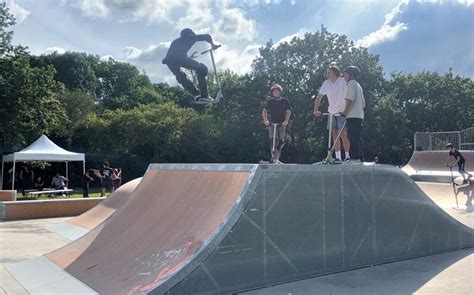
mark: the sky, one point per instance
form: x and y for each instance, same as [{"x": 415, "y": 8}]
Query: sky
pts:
[{"x": 409, "y": 36}]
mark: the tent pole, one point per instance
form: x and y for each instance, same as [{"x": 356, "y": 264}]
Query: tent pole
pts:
[
  {"x": 83, "y": 167},
  {"x": 3, "y": 167},
  {"x": 13, "y": 176},
  {"x": 67, "y": 170}
]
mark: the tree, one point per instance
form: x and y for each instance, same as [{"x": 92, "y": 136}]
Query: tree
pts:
[
  {"x": 29, "y": 96},
  {"x": 300, "y": 66}
]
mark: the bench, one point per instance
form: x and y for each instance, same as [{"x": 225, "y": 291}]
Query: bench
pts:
[{"x": 48, "y": 191}]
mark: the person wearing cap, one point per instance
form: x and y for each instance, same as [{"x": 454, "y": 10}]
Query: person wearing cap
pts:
[
  {"x": 354, "y": 112},
  {"x": 276, "y": 114},
  {"x": 334, "y": 88},
  {"x": 177, "y": 58},
  {"x": 460, "y": 161}
]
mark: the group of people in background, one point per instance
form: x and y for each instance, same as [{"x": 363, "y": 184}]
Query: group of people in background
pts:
[
  {"x": 346, "y": 111},
  {"x": 27, "y": 180},
  {"x": 110, "y": 179}
]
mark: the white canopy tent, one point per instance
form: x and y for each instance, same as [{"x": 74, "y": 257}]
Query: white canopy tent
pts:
[{"x": 43, "y": 149}]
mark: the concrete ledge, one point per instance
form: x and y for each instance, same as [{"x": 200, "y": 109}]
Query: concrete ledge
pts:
[
  {"x": 14, "y": 210},
  {"x": 7, "y": 195}
]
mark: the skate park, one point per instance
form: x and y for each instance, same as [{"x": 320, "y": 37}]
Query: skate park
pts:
[
  {"x": 259, "y": 226},
  {"x": 236, "y": 147}
]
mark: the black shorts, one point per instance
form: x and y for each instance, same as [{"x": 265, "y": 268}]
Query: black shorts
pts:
[
  {"x": 107, "y": 184},
  {"x": 461, "y": 166}
]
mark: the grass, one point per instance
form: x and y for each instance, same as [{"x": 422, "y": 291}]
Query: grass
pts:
[{"x": 94, "y": 192}]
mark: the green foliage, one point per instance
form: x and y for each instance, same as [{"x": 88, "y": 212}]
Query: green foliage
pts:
[
  {"x": 30, "y": 102},
  {"x": 300, "y": 66},
  {"x": 111, "y": 111},
  {"x": 6, "y": 20}
]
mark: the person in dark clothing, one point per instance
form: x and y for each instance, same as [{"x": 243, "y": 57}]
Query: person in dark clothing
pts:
[
  {"x": 276, "y": 115},
  {"x": 118, "y": 178},
  {"x": 89, "y": 176},
  {"x": 27, "y": 177},
  {"x": 177, "y": 58},
  {"x": 107, "y": 175},
  {"x": 460, "y": 161},
  {"x": 39, "y": 183}
]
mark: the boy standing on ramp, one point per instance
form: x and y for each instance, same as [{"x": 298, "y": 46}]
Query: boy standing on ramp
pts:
[
  {"x": 354, "y": 112},
  {"x": 279, "y": 109},
  {"x": 460, "y": 161},
  {"x": 177, "y": 58},
  {"x": 335, "y": 90}
]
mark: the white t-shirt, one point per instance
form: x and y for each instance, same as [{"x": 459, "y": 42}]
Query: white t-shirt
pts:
[
  {"x": 355, "y": 93},
  {"x": 336, "y": 92}
]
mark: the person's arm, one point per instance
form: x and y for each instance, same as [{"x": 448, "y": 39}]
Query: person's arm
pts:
[
  {"x": 348, "y": 106},
  {"x": 287, "y": 117},
  {"x": 265, "y": 116},
  {"x": 207, "y": 38},
  {"x": 21, "y": 175},
  {"x": 317, "y": 104},
  {"x": 350, "y": 96},
  {"x": 447, "y": 160},
  {"x": 32, "y": 176}
]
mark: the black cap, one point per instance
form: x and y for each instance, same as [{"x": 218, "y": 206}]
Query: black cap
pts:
[
  {"x": 449, "y": 145},
  {"x": 187, "y": 32}
]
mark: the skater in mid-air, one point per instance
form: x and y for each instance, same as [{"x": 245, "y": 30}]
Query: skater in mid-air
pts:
[
  {"x": 177, "y": 58},
  {"x": 460, "y": 161},
  {"x": 276, "y": 116}
]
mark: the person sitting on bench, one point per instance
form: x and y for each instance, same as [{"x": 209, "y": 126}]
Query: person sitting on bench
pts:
[{"x": 59, "y": 182}]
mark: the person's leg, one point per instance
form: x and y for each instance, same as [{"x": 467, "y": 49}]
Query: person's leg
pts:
[
  {"x": 201, "y": 71},
  {"x": 85, "y": 190},
  {"x": 281, "y": 140},
  {"x": 345, "y": 140},
  {"x": 337, "y": 145},
  {"x": 183, "y": 79},
  {"x": 354, "y": 128},
  {"x": 461, "y": 166}
]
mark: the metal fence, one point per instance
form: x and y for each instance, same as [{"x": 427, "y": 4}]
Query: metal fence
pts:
[{"x": 434, "y": 141}]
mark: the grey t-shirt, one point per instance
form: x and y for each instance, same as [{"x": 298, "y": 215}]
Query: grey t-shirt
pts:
[{"x": 356, "y": 95}]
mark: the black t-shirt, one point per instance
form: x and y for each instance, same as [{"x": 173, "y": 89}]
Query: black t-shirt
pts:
[
  {"x": 276, "y": 109},
  {"x": 179, "y": 47},
  {"x": 456, "y": 154},
  {"x": 107, "y": 174}
]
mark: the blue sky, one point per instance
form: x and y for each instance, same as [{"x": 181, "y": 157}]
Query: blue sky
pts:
[{"x": 410, "y": 36}]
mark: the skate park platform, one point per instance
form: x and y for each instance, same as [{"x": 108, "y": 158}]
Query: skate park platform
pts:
[{"x": 217, "y": 229}]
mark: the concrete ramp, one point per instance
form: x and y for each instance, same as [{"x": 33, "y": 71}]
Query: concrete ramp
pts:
[
  {"x": 217, "y": 229},
  {"x": 82, "y": 224},
  {"x": 106, "y": 208},
  {"x": 431, "y": 165}
]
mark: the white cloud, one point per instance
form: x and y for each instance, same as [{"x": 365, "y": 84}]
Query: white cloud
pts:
[
  {"x": 388, "y": 31},
  {"x": 53, "y": 49},
  {"x": 238, "y": 61},
  {"x": 385, "y": 33},
  {"x": 199, "y": 18},
  {"x": 92, "y": 8},
  {"x": 233, "y": 25},
  {"x": 106, "y": 57},
  {"x": 18, "y": 12},
  {"x": 299, "y": 34}
]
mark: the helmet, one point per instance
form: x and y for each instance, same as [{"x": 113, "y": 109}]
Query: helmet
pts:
[
  {"x": 353, "y": 70},
  {"x": 276, "y": 86},
  {"x": 449, "y": 145},
  {"x": 187, "y": 32}
]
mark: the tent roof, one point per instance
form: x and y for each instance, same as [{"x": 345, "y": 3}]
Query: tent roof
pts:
[{"x": 43, "y": 149}]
